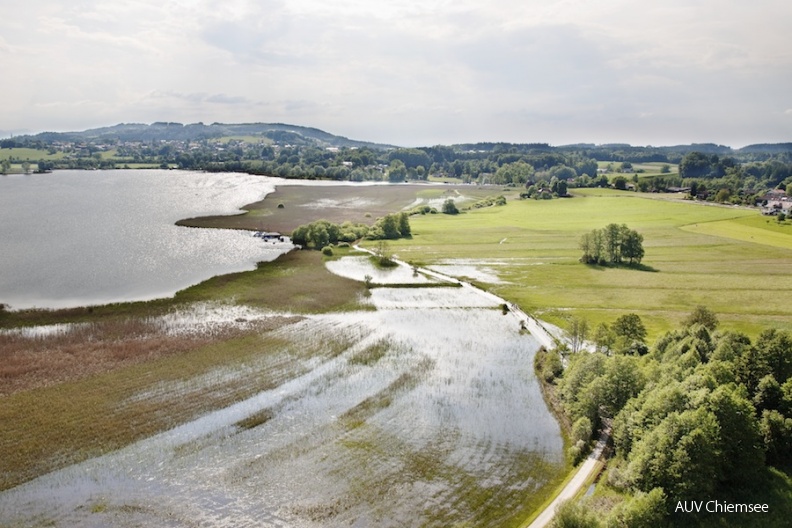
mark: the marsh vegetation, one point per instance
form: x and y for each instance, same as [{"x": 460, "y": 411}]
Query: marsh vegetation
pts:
[{"x": 408, "y": 415}]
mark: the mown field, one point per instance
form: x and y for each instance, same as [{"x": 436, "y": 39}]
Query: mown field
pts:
[{"x": 732, "y": 260}]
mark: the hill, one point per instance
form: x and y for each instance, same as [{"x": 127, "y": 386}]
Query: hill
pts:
[{"x": 167, "y": 131}]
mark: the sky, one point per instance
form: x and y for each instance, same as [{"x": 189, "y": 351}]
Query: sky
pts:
[{"x": 409, "y": 73}]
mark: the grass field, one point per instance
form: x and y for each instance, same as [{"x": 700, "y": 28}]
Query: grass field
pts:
[
  {"x": 29, "y": 154},
  {"x": 253, "y": 140},
  {"x": 647, "y": 169},
  {"x": 726, "y": 258}
]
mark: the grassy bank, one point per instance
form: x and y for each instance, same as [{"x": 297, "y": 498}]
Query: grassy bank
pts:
[
  {"x": 295, "y": 282},
  {"x": 732, "y": 260}
]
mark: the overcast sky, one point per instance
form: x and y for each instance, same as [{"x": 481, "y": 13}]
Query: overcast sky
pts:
[{"x": 411, "y": 73}]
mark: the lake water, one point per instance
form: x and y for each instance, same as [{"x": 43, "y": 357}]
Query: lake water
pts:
[{"x": 75, "y": 238}]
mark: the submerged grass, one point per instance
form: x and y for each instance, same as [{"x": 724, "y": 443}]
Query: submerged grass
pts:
[{"x": 52, "y": 427}]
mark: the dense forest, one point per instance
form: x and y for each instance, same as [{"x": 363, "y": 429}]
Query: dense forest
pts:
[{"x": 702, "y": 414}]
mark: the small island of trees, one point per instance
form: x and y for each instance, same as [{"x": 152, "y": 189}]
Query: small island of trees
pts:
[{"x": 612, "y": 245}]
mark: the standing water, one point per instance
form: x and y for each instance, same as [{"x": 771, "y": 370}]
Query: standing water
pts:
[{"x": 429, "y": 415}]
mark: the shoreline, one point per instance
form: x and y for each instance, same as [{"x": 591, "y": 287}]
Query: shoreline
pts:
[{"x": 536, "y": 327}]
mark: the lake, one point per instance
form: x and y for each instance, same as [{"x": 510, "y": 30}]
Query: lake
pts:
[{"x": 74, "y": 238}]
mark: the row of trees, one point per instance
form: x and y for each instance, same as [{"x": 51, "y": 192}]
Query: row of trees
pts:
[
  {"x": 612, "y": 245},
  {"x": 322, "y": 233},
  {"x": 699, "y": 415}
]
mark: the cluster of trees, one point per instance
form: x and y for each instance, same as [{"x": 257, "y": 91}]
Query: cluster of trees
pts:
[
  {"x": 725, "y": 179},
  {"x": 490, "y": 201},
  {"x": 701, "y": 414},
  {"x": 322, "y": 233},
  {"x": 612, "y": 245}
]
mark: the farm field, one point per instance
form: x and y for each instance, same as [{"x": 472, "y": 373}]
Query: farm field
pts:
[
  {"x": 30, "y": 154},
  {"x": 695, "y": 255}
]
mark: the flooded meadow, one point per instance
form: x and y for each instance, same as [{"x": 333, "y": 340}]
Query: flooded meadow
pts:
[{"x": 422, "y": 412}]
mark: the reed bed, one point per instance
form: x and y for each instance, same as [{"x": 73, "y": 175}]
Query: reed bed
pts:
[{"x": 95, "y": 389}]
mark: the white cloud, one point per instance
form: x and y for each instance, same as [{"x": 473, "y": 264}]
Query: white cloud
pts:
[{"x": 409, "y": 72}]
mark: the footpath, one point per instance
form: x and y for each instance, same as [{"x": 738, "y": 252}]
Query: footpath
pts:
[{"x": 572, "y": 488}]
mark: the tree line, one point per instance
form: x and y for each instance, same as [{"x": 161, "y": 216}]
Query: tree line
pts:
[
  {"x": 321, "y": 233},
  {"x": 711, "y": 172},
  {"x": 703, "y": 413}
]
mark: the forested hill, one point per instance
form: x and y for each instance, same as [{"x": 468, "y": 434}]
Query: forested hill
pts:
[
  {"x": 282, "y": 133},
  {"x": 637, "y": 154},
  {"x": 164, "y": 131}
]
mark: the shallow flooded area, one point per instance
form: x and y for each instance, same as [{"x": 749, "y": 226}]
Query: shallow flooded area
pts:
[
  {"x": 424, "y": 412},
  {"x": 484, "y": 271},
  {"x": 358, "y": 267}
]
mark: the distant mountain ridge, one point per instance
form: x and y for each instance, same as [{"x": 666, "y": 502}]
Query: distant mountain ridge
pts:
[
  {"x": 169, "y": 131},
  {"x": 301, "y": 135}
]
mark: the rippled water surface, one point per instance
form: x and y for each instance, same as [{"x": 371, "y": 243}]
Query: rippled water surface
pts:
[
  {"x": 88, "y": 237},
  {"x": 428, "y": 415}
]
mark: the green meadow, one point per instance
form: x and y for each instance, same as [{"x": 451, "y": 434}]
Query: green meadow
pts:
[
  {"x": 29, "y": 154},
  {"x": 730, "y": 259}
]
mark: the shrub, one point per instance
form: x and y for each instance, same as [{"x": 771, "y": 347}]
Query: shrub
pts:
[
  {"x": 645, "y": 510},
  {"x": 578, "y": 451},
  {"x": 281, "y": 206},
  {"x": 552, "y": 366},
  {"x": 582, "y": 430},
  {"x": 449, "y": 207},
  {"x": 571, "y": 514},
  {"x": 327, "y": 251}
]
